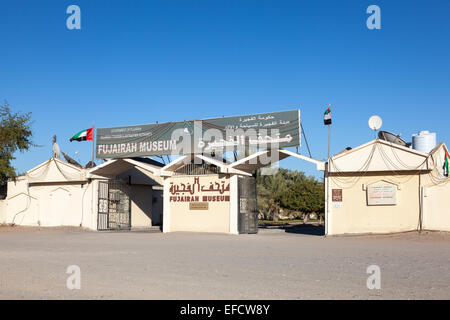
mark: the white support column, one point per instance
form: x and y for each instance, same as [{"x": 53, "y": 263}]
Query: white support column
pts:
[
  {"x": 234, "y": 202},
  {"x": 166, "y": 206},
  {"x": 325, "y": 180},
  {"x": 328, "y": 204}
]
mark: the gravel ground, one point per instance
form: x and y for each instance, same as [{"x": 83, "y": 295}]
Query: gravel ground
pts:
[{"x": 294, "y": 263}]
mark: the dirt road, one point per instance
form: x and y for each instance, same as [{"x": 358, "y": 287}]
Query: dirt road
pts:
[{"x": 273, "y": 264}]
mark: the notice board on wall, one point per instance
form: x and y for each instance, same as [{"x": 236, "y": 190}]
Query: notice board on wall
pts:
[
  {"x": 383, "y": 194},
  {"x": 336, "y": 198}
]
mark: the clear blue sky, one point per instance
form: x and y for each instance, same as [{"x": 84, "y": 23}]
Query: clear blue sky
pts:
[{"x": 139, "y": 62}]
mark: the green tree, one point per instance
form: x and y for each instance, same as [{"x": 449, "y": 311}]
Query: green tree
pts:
[
  {"x": 15, "y": 135},
  {"x": 270, "y": 190},
  {"x": 289, "y": 190}
]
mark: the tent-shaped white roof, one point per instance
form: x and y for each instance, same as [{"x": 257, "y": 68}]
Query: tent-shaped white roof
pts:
[
  {"x": 437, "y": 158},
  {"x": 380, "y": 155},
  {"x": 55, "y": 170},
  {"x": 440, "y": 148}
]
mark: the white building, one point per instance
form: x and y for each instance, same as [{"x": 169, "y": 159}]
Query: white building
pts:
[
  {"x": 57, "y": 193},
  {"x": 383, "y": 187}
]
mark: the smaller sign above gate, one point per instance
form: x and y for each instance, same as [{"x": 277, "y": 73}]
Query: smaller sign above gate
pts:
[
  {"x": 198, "y": 205},
  {"x": 251, "y": 132}
]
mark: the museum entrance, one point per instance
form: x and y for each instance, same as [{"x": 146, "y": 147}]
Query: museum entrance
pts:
[{"x": 114, "y": 207}]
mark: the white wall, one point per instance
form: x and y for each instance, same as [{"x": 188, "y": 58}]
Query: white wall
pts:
[
  {"x": 2, "y": 211},
  {"x": 21, "y": 207},
  {"x": 436, "y": 212},
  {"x": 436, "y": 192},
  {"x": 55, "y": 204}
]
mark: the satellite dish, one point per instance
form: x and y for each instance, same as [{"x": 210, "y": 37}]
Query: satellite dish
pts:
[
  {"x": 375, "y": 122},
  {"x": 70, "y": 160}
]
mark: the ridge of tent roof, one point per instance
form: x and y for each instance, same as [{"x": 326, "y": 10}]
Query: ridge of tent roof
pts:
[
  {"x": 437, "y": 147},
  {"x": 391, "y": 144},
  {"x": 56, "y": 160}
]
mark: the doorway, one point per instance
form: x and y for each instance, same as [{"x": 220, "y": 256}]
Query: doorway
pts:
[{"x": 114, "y": 207}]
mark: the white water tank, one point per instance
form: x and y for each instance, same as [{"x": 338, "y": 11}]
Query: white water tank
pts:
[{"x": 424, "y": 141}]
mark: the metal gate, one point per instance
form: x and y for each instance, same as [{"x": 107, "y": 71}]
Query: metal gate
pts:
[
  {"x": 113, "y": 205},
  {"x": 248, "y": 208}
]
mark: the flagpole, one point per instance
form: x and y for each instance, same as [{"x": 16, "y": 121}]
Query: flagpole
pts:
[
  {"x": 93, "y": 145},
  {"x": 326, "y": 173},
  {"x": 326, "y": 181},
  {"x": 328, "y": 143}
]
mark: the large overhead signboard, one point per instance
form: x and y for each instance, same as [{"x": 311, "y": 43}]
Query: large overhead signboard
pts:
[{"x": 250, "y": 132}]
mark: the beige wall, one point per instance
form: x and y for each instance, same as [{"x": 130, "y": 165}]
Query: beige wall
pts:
[
  {"x": 141, "y": 205},
  {"x": 215, "y": 219},
  {"x": 355, "y": 216},
  {"x": 421, "y": 197}
]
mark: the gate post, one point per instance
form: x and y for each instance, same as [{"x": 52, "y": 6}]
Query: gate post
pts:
[
  {"x": 234, "y": 204},
  {"x": 166, "y": 206}
]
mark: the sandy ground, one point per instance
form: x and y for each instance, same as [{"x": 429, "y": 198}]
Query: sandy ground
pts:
[{"x": 274, "y": 264}]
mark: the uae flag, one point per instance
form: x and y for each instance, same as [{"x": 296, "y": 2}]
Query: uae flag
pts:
[
  {"x": 327, "y": 116},
  {"x": 445, "y": 166},
  {"x": 84, "y": 135}
]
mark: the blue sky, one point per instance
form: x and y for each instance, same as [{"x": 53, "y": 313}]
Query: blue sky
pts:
[{"x": 137, "y": 62}]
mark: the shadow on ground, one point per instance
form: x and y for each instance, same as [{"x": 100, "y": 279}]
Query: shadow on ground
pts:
[
  {"x": 153, "y": 229},
  {"x": 307, "y": 229}
]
